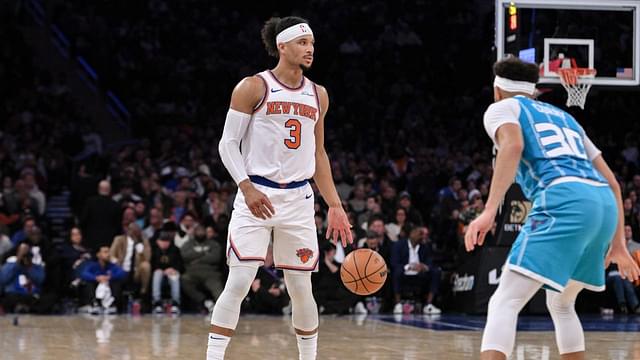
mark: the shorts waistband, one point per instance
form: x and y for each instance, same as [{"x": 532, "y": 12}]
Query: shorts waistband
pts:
[
  {"x": 566, "y": 179},
  {"x": 272, "y": 184}
]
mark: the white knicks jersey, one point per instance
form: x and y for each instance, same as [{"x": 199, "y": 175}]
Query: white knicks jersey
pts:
[{"x": 280, "y": 142}]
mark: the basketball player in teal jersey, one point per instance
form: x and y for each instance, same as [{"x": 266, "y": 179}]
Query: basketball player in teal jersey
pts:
[{"x": 575, "y": 220}]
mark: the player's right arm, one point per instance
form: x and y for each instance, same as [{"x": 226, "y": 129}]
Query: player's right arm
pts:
[
  {"x": 618, "y": 252},
  {"x": 246, "y": 95}
]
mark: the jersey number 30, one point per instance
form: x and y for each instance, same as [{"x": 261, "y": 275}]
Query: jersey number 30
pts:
[
  {"x": 294, "y": 126},
  {"x": 565, "y": 141}
]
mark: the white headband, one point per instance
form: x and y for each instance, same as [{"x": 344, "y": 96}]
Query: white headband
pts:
[
  {"x": 293, "y": 32},
  {"x": 514, "y": 86}
]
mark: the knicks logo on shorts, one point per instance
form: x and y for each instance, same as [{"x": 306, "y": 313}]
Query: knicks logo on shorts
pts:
[{"x": 305, "y": 254}]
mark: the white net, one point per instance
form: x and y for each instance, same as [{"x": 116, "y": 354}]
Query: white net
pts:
[{"x": 577, "y": 82}]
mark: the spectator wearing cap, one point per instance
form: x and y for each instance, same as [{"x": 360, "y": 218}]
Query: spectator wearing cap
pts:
[
  {"x": 473, "y": 209},
  {"x": 413, "y": 215},
  {"x": 166, "y": 263},
  {"x": 132, "y": 252},
  {"x": 203, "y": 261},
  {"x": 100, "y": 219}
]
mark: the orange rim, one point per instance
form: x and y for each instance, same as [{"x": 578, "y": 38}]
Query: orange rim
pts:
[{"x": 570, "y": 76}]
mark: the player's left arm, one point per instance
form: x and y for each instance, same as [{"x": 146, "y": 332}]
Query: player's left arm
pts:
[
  {"x": 338, "y": 223},
  {"x": 511, "y": 144}
]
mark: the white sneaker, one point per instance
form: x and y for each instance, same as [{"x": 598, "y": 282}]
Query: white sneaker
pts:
[
  {"x": 175, "y": 310},
  {"x": 360, "y": 309},
  {"x": 397, "y": 309},
  {"x": 431, "y": 310}
]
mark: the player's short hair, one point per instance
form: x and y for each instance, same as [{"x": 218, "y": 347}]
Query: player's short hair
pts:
[
  {"x": 273, "y": 27},
  {"x": 513, "y": 68}
]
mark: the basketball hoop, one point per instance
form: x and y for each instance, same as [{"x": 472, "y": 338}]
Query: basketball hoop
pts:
[{"x": 577, "y": 82}]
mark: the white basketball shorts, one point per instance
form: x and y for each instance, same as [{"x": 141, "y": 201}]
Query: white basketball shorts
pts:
[{"x": 295, "y": 244}]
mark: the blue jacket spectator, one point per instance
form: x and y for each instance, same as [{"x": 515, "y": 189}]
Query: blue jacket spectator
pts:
[
  {"x": 98, "y": 272},
  {"x": 93, "y": 269},
  {"x": 21, "y": 280},
  {"x": 16, "y": 278}
]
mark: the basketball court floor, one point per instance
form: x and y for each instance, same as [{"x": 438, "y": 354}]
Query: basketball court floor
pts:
[{"x": 401, "y": 337}]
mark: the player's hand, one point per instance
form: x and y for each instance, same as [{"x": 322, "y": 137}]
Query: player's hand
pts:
[
  {"x": 478, "y": 229},
  {"x": 258, "y": 203},
  {"x": 338, "y": 226},
  {"x": 627, "y": 267}
]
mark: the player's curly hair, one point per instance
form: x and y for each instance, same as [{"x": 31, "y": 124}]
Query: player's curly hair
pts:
[
  {"x": 273, "y": 27},
  {"x": 515, "y": 69}
]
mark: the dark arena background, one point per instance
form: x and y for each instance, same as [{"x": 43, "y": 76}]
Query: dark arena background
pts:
[{"x": 111, "y": 112}]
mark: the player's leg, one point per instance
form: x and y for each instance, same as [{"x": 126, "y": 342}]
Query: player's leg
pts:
[
  {"x": 304, "y": 312},
  {"x": 247, "y": 244},
  {"x": 569, "y": 334},
  {"x": 512, "y": 295},
  {"x": 589, "y": 272},
  {"x": 227, "y": 309}
]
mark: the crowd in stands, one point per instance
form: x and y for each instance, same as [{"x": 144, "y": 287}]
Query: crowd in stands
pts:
[{"x": 409, "y": 155}]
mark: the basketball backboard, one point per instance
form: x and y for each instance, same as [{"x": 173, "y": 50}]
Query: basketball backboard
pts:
[{"x": 600, "y": 34}]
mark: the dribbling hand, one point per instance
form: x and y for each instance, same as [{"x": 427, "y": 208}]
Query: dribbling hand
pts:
[
  {"x": 257, "y": 202},
  {"x": 338, "y": 226}
]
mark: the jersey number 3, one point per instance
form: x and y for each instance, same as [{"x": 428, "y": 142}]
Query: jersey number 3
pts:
[
  {"x": 294, "y": 126},
  {"x": 565, "y": 141}
]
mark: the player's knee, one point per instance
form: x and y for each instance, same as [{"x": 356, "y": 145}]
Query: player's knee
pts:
[
  {"x": 240, "y": 279},
  {"x": 298, "y": 283},
  {"x": 559, "y": 306}
]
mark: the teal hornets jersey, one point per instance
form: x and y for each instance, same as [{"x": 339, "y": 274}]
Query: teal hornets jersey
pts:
[{"x": 555, "y": 145}]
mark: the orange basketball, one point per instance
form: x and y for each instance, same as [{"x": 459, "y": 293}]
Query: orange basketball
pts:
[{"x": 363, "y": 272}]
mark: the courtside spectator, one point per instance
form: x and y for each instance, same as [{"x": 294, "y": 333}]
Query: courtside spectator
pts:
[
  {"x": 203, "y": 261},
  {"x": 166, "y": 263},
  {"x": 103, "y": 281},
  {"x": 132, "y": 252}
]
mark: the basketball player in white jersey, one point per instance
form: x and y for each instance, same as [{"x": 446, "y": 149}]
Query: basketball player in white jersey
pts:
[{"x": 273, "y": 142}]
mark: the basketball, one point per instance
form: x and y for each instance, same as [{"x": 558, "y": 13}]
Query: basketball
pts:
[{"x": 363, "y": 272}]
